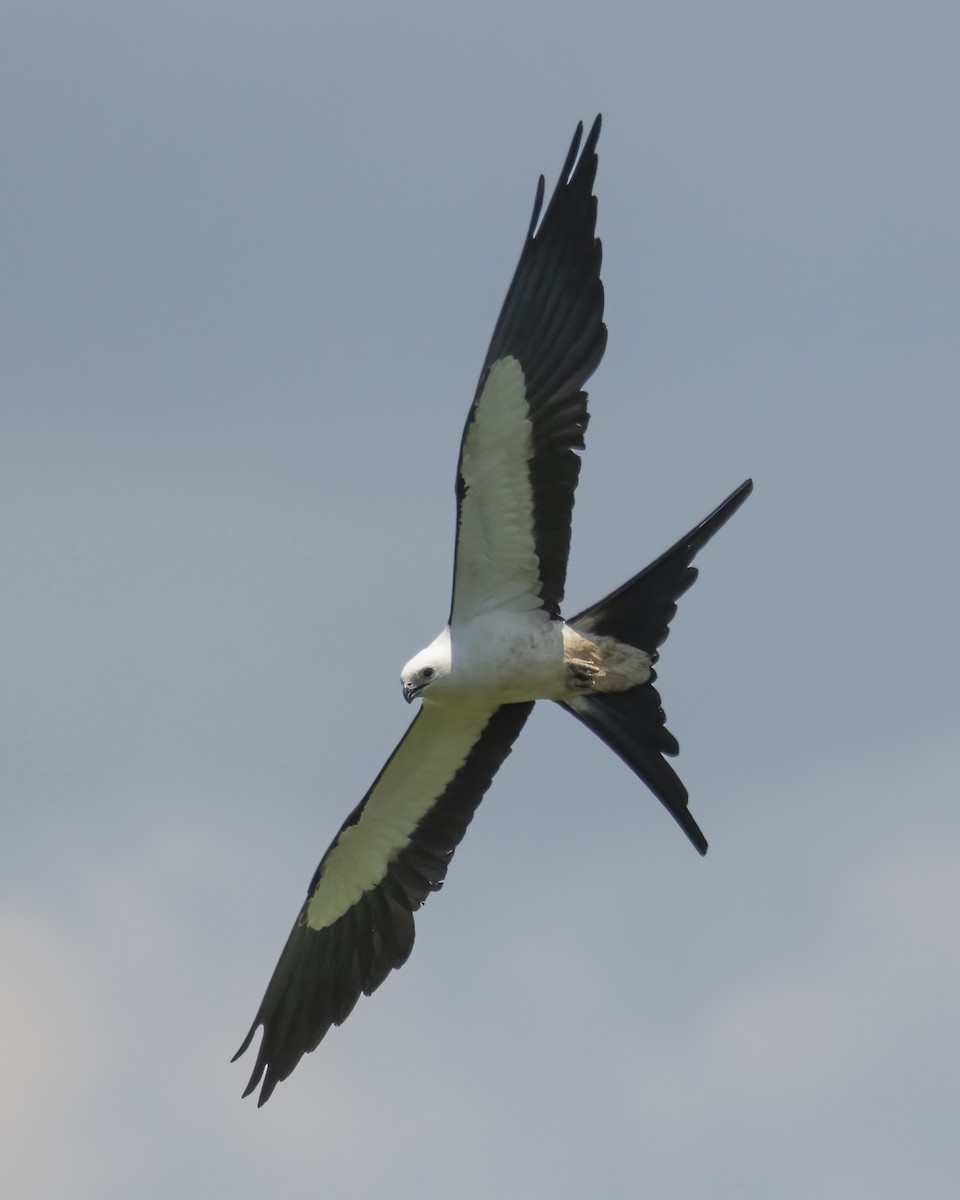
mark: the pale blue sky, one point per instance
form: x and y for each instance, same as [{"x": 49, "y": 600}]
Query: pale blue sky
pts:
[{"x": 250, "y": 259}]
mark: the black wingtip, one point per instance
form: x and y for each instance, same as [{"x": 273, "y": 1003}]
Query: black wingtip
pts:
[
  {"x": 246, "y": 1043},
  {"x": 571, "y": 154},
  {"x": 537, "y": 206},
  {"x": 258, "y": 1067},
  {"x": 593, "y": 136},
  {"x": 578, "y": 162}
]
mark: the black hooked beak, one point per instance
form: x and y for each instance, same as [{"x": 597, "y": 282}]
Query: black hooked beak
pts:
[{"x": 410, "y": 693}]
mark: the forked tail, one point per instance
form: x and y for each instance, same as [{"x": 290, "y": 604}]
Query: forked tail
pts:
[{"x": 632, "y": 723}]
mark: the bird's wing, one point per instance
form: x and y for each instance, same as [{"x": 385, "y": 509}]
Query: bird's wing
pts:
[
  {"x": 518, "y": 462},
  {"x": 356, "y": 924}
]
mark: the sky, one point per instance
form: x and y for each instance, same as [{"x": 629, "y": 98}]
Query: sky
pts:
[{"x": 251, "y": 259}]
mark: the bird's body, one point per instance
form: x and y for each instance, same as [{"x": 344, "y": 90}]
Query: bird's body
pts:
[
  {"x": 505, "y": 645},
  {"x": 507, "y": 658}
]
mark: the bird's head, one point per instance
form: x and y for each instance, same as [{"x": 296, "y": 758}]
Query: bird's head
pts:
[{"x": 426, "y": 668}]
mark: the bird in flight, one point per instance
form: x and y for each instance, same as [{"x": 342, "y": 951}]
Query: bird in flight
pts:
[{"x": 505, "y": 645}]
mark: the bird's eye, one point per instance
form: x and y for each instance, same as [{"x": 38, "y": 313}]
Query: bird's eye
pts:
[{"x": 426, "y": 673}]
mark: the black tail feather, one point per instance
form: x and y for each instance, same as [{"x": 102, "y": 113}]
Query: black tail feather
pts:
[
  {"x": 640, "y": 611},
  {"x": 632, "y": 723}
]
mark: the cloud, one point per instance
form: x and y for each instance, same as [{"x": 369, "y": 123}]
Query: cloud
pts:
[{"x": 54, "y": 1042}]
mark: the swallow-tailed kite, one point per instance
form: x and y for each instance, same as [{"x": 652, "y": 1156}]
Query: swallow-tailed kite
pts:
[{"x": 504, "y": 646}]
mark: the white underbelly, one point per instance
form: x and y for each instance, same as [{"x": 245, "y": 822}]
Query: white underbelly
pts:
[{"x": 507, "y": 657}]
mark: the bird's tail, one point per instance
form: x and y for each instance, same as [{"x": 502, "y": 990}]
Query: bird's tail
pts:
[{"x": 632, "y": 723}]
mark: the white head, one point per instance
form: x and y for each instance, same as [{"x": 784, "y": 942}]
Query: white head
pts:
[{"x": 427, "y": 667}]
